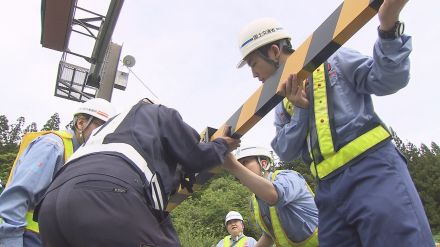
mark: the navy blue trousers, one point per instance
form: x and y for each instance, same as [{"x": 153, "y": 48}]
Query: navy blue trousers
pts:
[
  {"x": 94, "y": 210},
  {"x": 31, "y": 239},
  {"x": 372, "y": 203}
]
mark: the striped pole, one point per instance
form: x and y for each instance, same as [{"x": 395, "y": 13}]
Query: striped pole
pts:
[{"x": 341, "y": 25}]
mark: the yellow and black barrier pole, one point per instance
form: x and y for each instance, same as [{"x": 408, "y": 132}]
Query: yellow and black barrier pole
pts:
[{"x": 341, "y": 25}]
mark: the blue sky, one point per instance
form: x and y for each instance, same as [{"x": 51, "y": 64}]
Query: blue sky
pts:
[{"x": 186, "y": 52}]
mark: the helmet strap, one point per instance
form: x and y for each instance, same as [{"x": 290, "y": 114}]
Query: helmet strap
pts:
[
  {"x": 274, "y": 63},
  {"x": 284, "y": 46},
  {"x": 81, "y": 136},
  {"x": 259, "y": 161},
  {"x": 263, "y": 171}
]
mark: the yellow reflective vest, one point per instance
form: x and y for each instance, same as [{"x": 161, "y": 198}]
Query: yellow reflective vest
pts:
[
  {"x": 325, "y": 157},
  {"x": 288, "y": 106},
  {"x": 25, "y": 141},
  {"x": 278, "y": 234},
  {"x": 227, "y": 241}
]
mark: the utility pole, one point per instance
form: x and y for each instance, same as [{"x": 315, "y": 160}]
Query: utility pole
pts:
[
  {"x": 109, "y": 70},
  {"x": 105, "y": 49}
]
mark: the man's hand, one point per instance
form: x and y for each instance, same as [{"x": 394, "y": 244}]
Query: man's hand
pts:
[
  {"x": 295, "y": 91},
  {"x": 231, "y": 142}
]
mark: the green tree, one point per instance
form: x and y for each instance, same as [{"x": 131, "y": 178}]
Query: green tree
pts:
[
  {"x": 424, "y": 167},
  {"x": 16, "y": 131},
  {"x": 299, "y": 166},
  {"x": 31, "y": 128},
  {"x": 69, "y": 125},
  {"x": 6, "y": 161},
  {"x": 4, "y": 129},
  {"x": 10, "y": 137},
  {"x": 425, "y": 171},
  {"x": 10, "y": 134},
  {"x": 199, "y": 220},
  {"x": 53, "y": 123}
]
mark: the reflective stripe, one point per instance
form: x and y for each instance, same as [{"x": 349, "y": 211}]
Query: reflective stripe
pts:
[
  {"x": 334, "y": 159},
  {"x": 227, "y": 241},
  {"x": 68, "y": 148},
  {"x": 279, "y": 235},
  {"x": 322, "y": 121},
  {"x": 157, "y": 193},
  {"x": 130, "y": 153},
  {"x": 121, "y": 148},
  {"x": 98, "y": 134},
  {"x": 288, "y": 106},
  {"x": 350, "y": 151},
  {"x": 31, "y": 224},
  {"x": 95, "y": 144},
  {"x": 258, "y": 217}
]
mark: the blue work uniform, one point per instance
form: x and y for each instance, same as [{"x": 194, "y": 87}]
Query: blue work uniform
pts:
[
  {"x": 250, "y": 241},
  {"x": 114, "y": 189},
  {"x": 33, "y": 173},
  {"x": 373, "y": 201},
  {"x": 296, "y": 207}
]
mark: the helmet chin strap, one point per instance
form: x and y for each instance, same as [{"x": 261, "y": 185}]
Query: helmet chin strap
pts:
[
  {"x": 264, "y": 170},
  {"x": 275, "y": 64},
  {"x": 81, "y": 136},
  {"x": 235, "y": 238}
]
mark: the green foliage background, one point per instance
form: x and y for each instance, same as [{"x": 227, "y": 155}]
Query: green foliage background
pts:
[
  {"x": 199, "y": 220},
  {"x": 10, "y": 136},
  {"x": 214, "y": 200}
]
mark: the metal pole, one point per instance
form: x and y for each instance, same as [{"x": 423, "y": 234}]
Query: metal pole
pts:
[
  {"x": 110, "y": 67},
  {"x": 103, "y": 41}
]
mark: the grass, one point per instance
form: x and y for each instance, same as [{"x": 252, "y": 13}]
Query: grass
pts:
[{"x": 437, "y": 237}]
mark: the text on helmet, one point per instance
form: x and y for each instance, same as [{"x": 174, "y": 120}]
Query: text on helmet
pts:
[{"x": 261, "y": 34}]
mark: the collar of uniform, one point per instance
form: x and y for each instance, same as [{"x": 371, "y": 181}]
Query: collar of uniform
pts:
[{"x": 237, "y": 238}]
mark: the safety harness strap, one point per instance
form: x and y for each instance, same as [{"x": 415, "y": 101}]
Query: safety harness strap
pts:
[
  {"x": 350, "y": 151},
  {"x": 96, "y": 144},
  {"x": 326, "y": 157},
  {"x": 240, "y": 243},
  {"x": 322, "y": 121},
  {"x": 279, "y": 236}
]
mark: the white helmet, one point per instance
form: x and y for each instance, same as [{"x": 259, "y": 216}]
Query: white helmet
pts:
[
  {"x": 255, "y": 152},
  {"x": 257, "y": 34},
  {"x": 233, "y": 215},
  {"x": 97, "y": 107}
]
